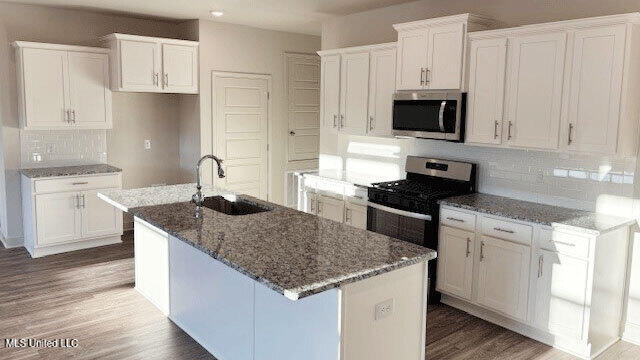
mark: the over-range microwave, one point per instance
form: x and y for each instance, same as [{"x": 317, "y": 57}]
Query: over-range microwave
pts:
[{"x": 429, "y": 114}]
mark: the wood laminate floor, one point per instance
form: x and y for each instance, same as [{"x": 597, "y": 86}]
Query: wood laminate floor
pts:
[{"x": 88, "y": 295}]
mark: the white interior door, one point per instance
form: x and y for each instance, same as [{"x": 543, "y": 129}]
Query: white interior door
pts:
[
  {"x": 98, "y": 217},
  {"x": 455, "y": 262},
  {"x": 382, "y": 85},
  {"x": 595, "y": 87},
  {"x": 536, "y": 73},
  {"x": 485, "y": 100},
  {"x": 140, "y": 65},
  {"x": 57, "y": 218},
  {"x": 180, "y": 68},
  {"x": 89, "y": 90},
  {"x": 412, "y": 59},
  {"x": 330, "y": 92},
  {"x": 46, "y": 90},
  {"x": 354, "y": 93},
  {"x": 444, "y": 57},
  {"x": 503, "y": 281},
  {"x": 303, "y": 98},
  {"x": 240, "y": 103}
]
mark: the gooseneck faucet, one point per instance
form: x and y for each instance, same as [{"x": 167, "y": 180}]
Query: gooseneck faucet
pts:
[{"x": 198, "y": 198}]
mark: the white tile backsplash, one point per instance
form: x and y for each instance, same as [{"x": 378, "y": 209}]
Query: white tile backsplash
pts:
[{"x": 62, "y": 147}]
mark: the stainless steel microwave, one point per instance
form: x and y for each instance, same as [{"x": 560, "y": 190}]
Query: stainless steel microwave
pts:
[{"x": 429, "y": 114}]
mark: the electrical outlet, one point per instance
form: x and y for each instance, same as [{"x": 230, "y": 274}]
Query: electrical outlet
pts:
[
  {"x": 384, "y": 309},
  {"x": 147, "y": 144}
]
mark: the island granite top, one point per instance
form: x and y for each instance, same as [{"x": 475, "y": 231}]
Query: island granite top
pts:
[
  {"x": 555, "y": 216},
  {"x": 76, "y": 170},
  {"x": 292, "y": 252}
]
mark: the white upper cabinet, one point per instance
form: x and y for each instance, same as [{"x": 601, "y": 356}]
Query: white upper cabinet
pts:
[
  {"x": 595, "y": 89},
  {"x": 148, "y": 64},
  {"x": 62, "y": 87},
  {"x": 486, "y": 90},
  {"x": 382, "y": 85},
  {"x": 536, "y": 72},
  {"x": 330, "y": 91},
  {"x": 354, "y": 93},
  {"x": 431, "y": 52}
]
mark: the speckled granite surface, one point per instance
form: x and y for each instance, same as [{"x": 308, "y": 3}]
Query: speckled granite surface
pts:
[
  {"x": 293, "y": 253},
  {"x": 69, "y": 170},
  {"x": 554, "y": 216}
]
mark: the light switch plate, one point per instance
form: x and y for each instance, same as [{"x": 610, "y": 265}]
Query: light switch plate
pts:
[{"x": 384, "y": 309}]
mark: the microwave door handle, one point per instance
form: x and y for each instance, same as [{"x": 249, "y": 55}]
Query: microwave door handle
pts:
[{"x": 441, "y": 115}]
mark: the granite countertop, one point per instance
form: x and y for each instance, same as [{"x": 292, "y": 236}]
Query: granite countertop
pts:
[
  {"x": 554, "y": 216},
  {"x": 69, "y": 170},
  {"x": 157, "y": 195},
  {"x": 294, "y": 253}
]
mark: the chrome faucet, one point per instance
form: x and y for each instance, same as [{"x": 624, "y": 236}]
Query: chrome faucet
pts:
[{"x": 198, "y": 198}]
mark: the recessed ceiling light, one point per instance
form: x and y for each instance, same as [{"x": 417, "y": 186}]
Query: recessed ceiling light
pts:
[{"x": 217, "y": 13}]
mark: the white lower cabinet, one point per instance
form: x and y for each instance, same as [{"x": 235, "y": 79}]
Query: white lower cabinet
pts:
[
  {"x": 330, "y": 208},
  {"x": 355, "y": 215},
  {"x": 65, "y": 214},
  {"x": 335, "y": 208},
  {"x": 562, "y": 286}
]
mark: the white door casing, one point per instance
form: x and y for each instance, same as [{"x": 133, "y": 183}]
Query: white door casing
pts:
[{"x": 240, "y": 125}]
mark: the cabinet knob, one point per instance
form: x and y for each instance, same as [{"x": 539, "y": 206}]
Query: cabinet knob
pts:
[{"x": 292, "y": 133}]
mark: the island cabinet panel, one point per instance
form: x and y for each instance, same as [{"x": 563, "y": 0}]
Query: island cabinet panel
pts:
[
  {"x": 151, "y": 253},
  {"x": 211, "y": 302}
]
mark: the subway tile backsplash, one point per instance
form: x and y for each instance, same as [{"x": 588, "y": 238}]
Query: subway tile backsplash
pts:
[
  {"x": 571, "y": 180},
  {"x": 62, "y": 147}
]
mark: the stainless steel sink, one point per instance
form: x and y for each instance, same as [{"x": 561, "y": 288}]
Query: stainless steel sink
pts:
[{"x": 237, "y": 207}]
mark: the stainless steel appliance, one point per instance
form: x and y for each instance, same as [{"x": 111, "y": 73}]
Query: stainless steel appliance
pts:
[
  {"x": 408, "y": 209},
  {"x": 429, "y": 114}
]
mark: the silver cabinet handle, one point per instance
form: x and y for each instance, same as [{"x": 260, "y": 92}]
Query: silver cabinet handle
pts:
[
  {"x": 371, "y": 123},
  {"x": 335, "y": 120},
  {"x": 76, "y": 200},
  {"x": 509, "y": 130},
  {"x": 341, "y": 121},
  {"x": 503, "y": 230},
  {"x": 421, "y": 76},
  {"x": 495, "y": 130},
  {"x": 454, "y": 219},
  {"x": 67, "y": 116},
  {"x": 347, "y": 217},
  {"x": 319, "y": 207},
  {"x": 468, "y": 247},
  {"x": 481, "y": 251},
  {"x": 426, "y": 76},
  {"x": 311, "y": 206},
  {"x": 73, "y": 116},
  {"x": 292, "y": 133},
  {"x": 154, "y": 78},
  {"x": 84, "y": 201},
  {"x": 166, "y": 79},
  {"x": 80, "y": 183},
  {"x": 570, "y": 140},
  {"x": 540, "y": 264}
]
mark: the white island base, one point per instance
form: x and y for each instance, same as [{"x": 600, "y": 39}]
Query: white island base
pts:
[{"x": 237, "y": 318}]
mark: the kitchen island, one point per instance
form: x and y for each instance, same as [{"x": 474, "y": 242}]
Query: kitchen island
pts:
[{"x": 276, "y": 284}]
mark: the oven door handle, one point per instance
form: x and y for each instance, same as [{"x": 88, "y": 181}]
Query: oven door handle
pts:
[
  {"x": 441, "y": 115},
  {"x": 400, "y": 212}
]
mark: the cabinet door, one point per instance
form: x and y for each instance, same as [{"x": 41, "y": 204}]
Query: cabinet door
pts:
[
  {"x": 45, "y": 88},
  {"x": 412, "y": 59},
  {"x": 354, "y": 93},
  {"x": 560, "y": 294},
  {"x": 330, "y": 208},
  {"x": 485, "y": 100},
  {"x": 310, "y": 202},
  {"x": 355, "y": 215},
  {"x": 180, "y": 68},
  {"x": 57, "y": 218},
  {"x": 536, "y": 67},
  {"x": 595, "y": 86},
  {"x": 330, "y": 92},
  {"x": 503, "y": 279},
  {"x": 382, "y": 84},
  {"x": 89, "y": 90},
  {"x": 444, "y": 57},
  {"x": 98, "y": 217},
  {"x": 139, "y": 65},
  {"x": 455, "y": 262}
]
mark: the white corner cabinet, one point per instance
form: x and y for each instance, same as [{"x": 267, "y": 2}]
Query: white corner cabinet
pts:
[
  {"x": 150, "y": 64},
  {"x": 560, "y": 286},
  {"x": 432, "y": 52},
  {"x": 566, "y": 86},
  {"x": 62, "y": 86},
  {"x": 356, "y": 89},
  {"x": 62, "y": 214}
]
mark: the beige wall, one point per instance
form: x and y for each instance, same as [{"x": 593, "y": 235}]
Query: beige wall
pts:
[
  {"x": 371, "y": 27},
  {"x": 235, "y": 48},
  {"x": 135, "y": 116}
]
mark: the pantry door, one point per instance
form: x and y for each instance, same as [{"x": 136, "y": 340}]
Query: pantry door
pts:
[{"x": 240, "y": 125}]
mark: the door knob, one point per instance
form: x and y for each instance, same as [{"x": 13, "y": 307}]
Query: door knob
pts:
[{"x": 292, "y": 132}]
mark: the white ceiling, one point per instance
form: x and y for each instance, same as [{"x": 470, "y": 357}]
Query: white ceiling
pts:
[{"x": 300, "y": 16}]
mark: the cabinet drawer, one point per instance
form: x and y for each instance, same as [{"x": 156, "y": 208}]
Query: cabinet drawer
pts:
[
  {"x": 458, "y": 219},
  {"x": 77, "y": 183},
  {"x": 564, "y": 243},
  {"x": 506, "y": 230}
]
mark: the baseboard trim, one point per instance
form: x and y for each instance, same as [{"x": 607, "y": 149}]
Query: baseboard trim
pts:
[
  {"x": 631, "y": 333},
  {"x": 79, "y": 245},
  {"x": 12, "y": 242}
]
